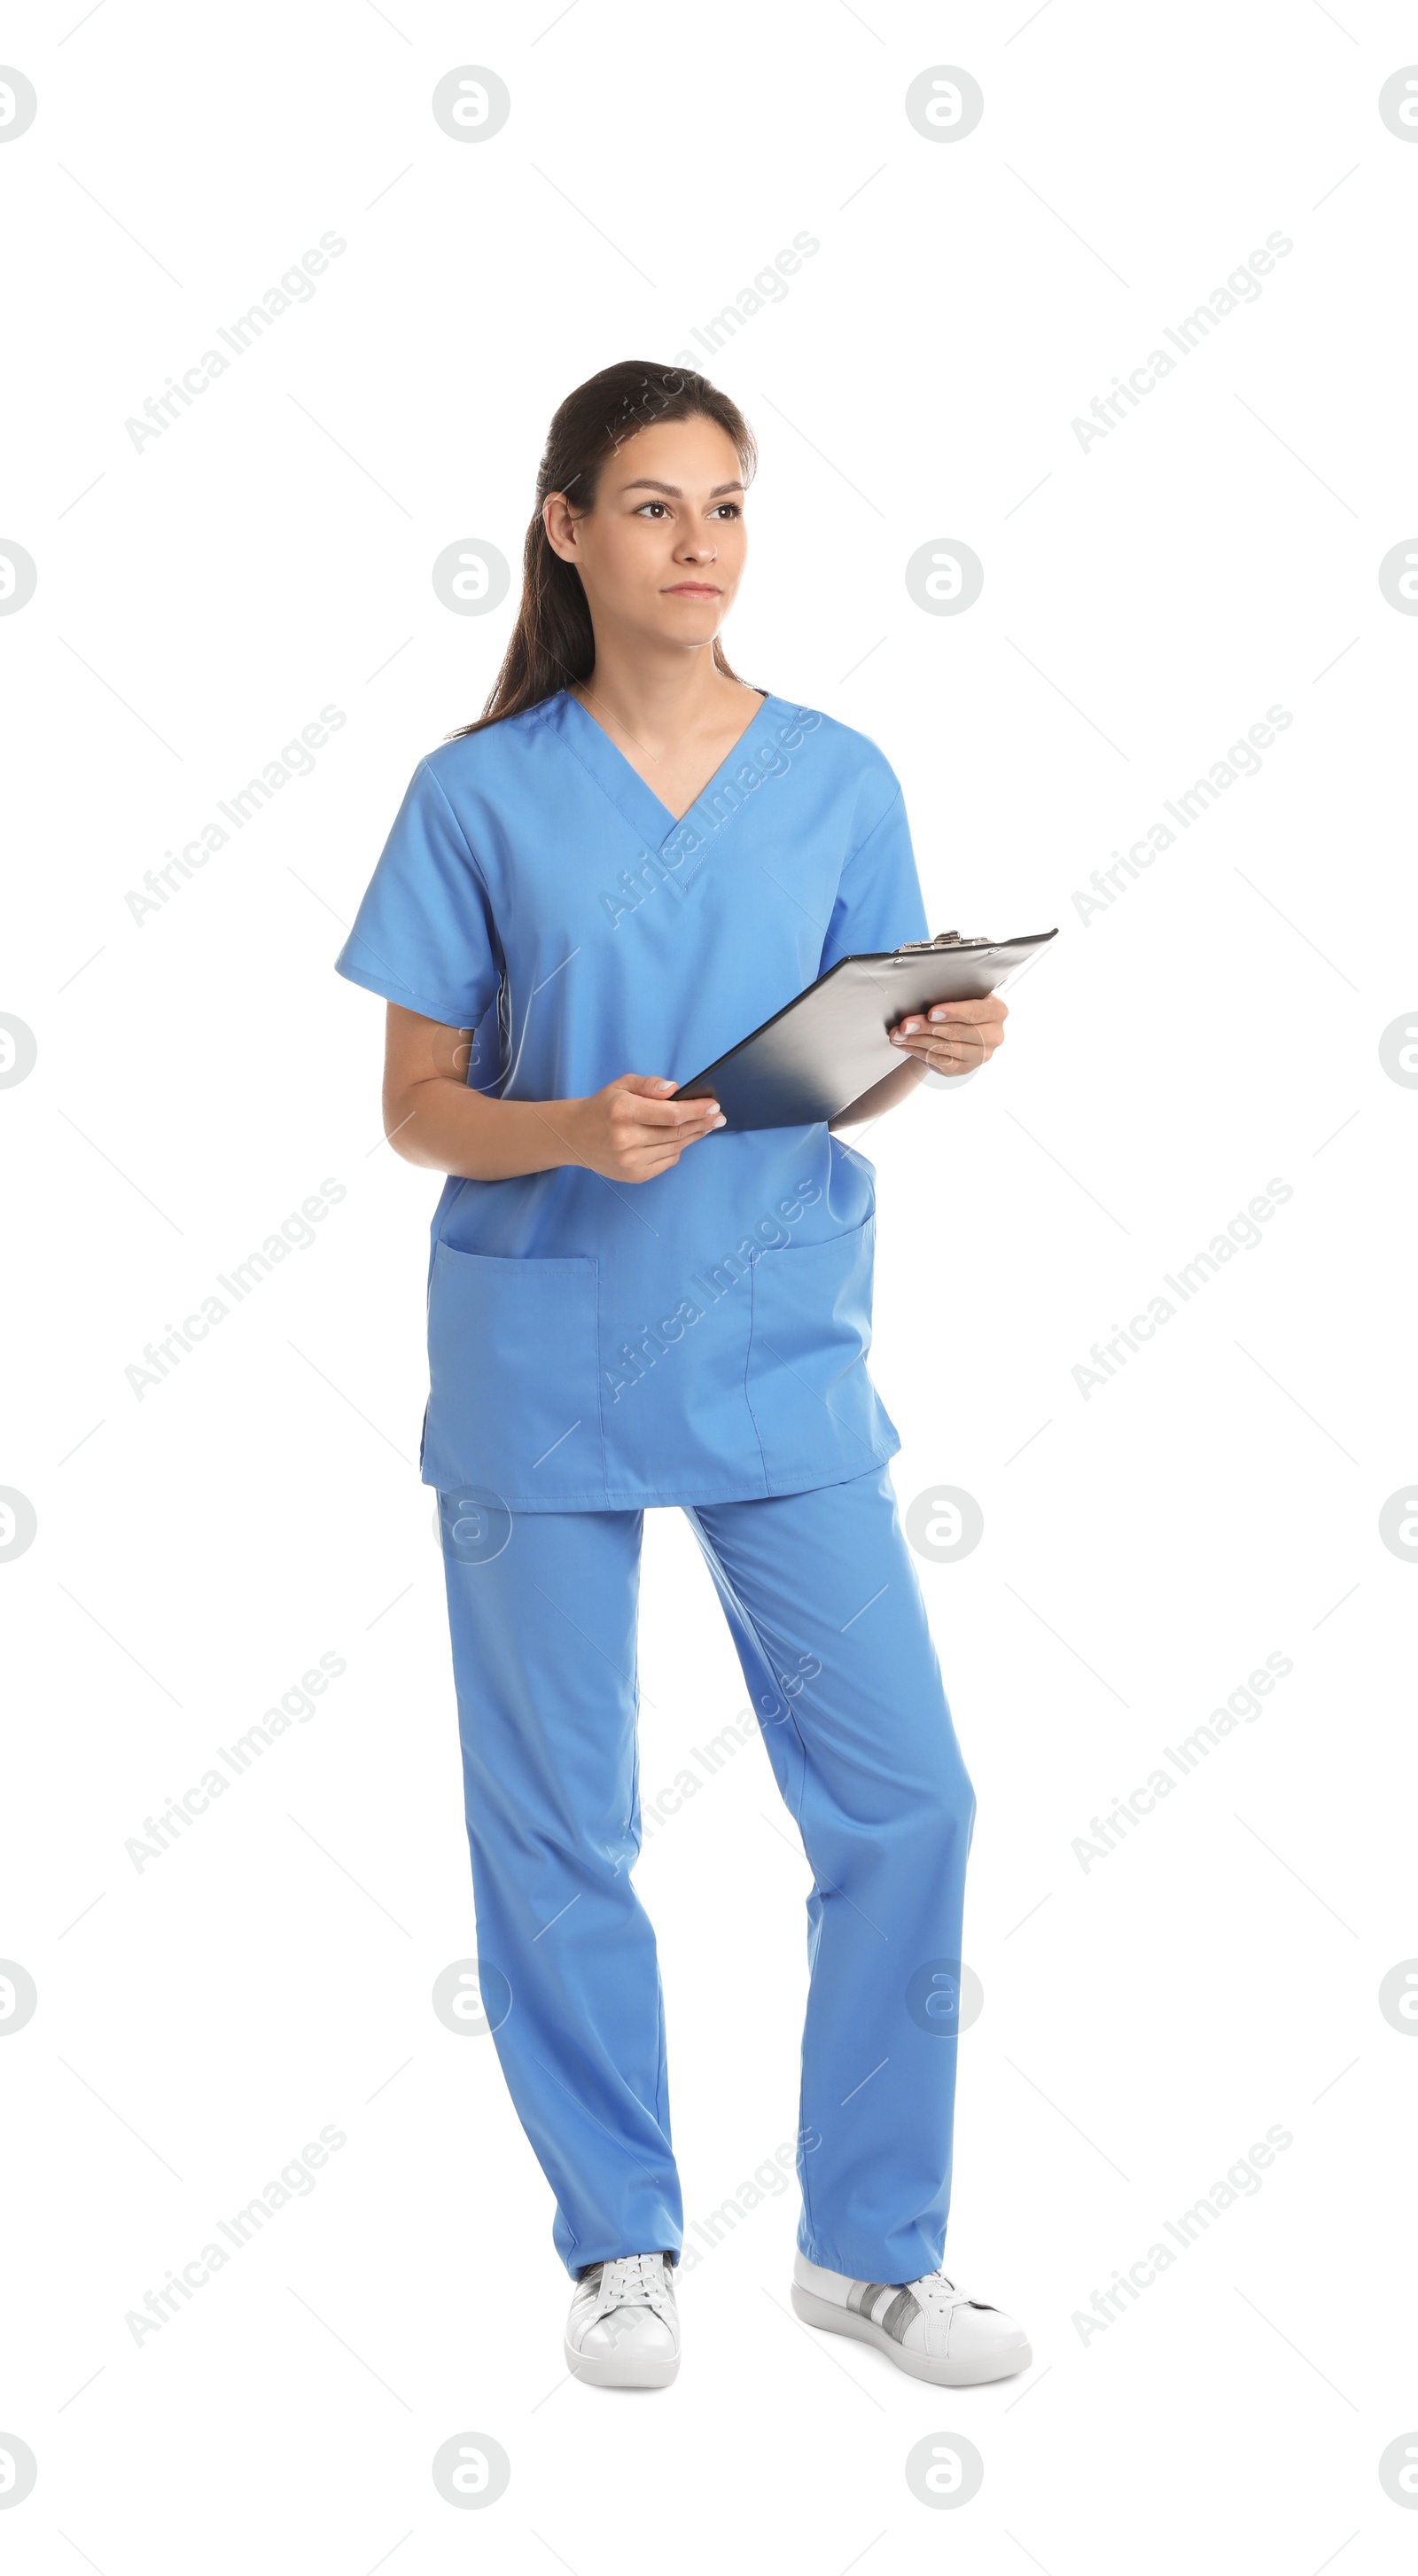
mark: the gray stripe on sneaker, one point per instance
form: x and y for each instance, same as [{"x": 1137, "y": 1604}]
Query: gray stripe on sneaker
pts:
[
  {"x": 899, "y": 2315},
  {"x": 861, "y": 2295}
]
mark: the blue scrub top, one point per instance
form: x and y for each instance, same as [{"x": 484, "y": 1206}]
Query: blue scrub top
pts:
[{"x": 701, "y": 1337}]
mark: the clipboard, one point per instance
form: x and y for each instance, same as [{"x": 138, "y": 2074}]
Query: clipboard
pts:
[{"x": 829, "y": 1044}]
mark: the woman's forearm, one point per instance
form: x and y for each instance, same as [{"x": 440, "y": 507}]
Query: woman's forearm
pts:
[
  {"x": 443, "y": 1126},
  {"x": 893, "y": 1087}
]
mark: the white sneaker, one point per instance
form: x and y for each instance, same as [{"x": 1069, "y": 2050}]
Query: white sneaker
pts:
[
  {"x": 929, "y": 2327},
  {"x": 623, "y": 2330}
]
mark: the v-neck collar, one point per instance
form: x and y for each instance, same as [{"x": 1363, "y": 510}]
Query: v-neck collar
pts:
[{"x": 623, "y": 784}]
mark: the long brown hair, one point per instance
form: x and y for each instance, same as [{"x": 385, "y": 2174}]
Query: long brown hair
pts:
[{"x": 552, "y": 643}]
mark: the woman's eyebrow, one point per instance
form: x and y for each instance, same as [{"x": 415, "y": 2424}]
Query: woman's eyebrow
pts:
[{"x": 647, "y": 483}]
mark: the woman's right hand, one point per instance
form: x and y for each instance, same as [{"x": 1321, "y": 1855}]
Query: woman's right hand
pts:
[
  {"x": 634, "y": 1130},
  {"x": 629, "y": 1132}
]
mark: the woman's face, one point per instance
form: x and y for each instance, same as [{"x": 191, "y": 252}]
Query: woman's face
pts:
[{"x": 662, "y": 550}]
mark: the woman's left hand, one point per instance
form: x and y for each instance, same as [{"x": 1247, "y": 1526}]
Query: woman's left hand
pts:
[{"x": 954, "y": 1037}]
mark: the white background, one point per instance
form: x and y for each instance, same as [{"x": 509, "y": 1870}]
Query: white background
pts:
[{"x": 1145, "y": 600}]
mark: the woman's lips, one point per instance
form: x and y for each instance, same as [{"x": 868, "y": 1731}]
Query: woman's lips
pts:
[{"x": 693, "y": 590}]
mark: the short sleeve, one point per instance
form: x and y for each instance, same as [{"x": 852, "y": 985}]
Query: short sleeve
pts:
[
  {"x": 878, "y": 894},
  {"x": 424, "y": 934}
]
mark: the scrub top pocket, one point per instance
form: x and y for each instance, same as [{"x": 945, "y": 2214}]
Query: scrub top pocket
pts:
[
  {"x": 813, "y": 1403},
  {"x": 513, "y": 1386}
]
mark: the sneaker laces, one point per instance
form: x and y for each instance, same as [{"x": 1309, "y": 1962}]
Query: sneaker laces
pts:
[
  {"x": 634, "y": 2281},
  {"x": 936, "y": 2291}
]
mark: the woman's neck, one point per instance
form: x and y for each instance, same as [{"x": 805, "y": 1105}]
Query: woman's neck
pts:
[
  {"x": 659, "y": 699},
  {"x": 675, "y": 722}
]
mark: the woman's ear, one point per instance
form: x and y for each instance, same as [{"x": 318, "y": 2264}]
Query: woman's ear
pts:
[{"x": 560, "y": 525}]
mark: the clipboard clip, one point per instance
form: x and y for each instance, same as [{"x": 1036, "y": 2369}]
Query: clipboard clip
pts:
[{"x": 942, "y": 939}]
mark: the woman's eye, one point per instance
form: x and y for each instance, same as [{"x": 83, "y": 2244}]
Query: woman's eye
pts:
[
  {"x": 728, "y": 510},
  {"x": 649, "y": 505}
]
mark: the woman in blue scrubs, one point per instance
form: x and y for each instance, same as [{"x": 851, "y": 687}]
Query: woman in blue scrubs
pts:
[{"x": 627, "y": 863}]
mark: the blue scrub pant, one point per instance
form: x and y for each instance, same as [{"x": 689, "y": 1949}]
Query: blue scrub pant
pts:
[{"x": 825, "y": 1610}]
